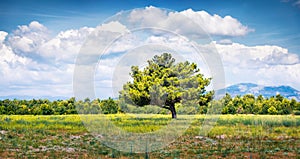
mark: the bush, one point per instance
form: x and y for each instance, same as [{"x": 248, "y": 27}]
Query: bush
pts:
[
  {"x": 297, "y": 112},
  {"x": 272, "y": 110},
  {"x": 109, "y": 106}
]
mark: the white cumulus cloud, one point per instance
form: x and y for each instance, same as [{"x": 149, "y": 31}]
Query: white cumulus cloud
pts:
[
  {"x": 262, "y": 64},
  {"x": 3, "y": 35},
  {"x": 188, "y": 22},
  {"x": 33, "y": 60},
  {"x": 66, "y": 45},
  {"x": 28, "y": 38},
  {"x": 255, "y": 56},
  {"x": 217, "y": 25}
]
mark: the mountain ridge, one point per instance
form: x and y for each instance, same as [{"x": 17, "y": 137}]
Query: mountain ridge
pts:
[
  {"x": 233, "y": 90},
  {"x": 266, "y": 91},
  {"x": 27, "y": 97}
]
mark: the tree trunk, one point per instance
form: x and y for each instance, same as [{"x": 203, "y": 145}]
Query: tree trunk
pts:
[{"x": 173, "y": 111}]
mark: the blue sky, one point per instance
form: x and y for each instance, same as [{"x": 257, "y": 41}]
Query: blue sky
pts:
[
  {"x": 269, "y": 34},
  {"x": 275, "y": 21}
]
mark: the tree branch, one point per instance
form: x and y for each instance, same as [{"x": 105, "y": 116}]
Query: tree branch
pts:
[{"x": 166, "y": 107}]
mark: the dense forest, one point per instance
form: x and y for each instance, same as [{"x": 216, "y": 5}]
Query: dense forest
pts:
[{"x": 247, "y": 104}]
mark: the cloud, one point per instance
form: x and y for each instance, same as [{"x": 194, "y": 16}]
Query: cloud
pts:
[
  {"x": 217, "y": 25},
  {"x": 280, "y": 75},
  {"x": 9, "y": 60},
  {"x": 297, "y": 3},
  {"x": 225, "y": 41},
  {"x": 19, "y": 68},
  {"x": 65, "y": 46},
  {"x": 2, "y": 36},
  {"x": 262, "y": 64},
  {"x": 294, "y": 2},
  {"x": 31, "y": 57},
  {"x": 188, "y": 22},
  {"x": 113, "y": 26},
  {"x": 255, "y": 56},
  {"x": 26, "y": 39}
]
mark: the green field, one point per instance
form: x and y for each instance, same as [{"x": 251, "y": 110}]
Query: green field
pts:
[{"x": 66, "y": 136}]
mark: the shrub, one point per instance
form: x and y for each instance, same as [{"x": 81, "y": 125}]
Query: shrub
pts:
[
  {"x": 297, "y": 112},
  {"x": 272, "y": 110},
  {"x": 109, "y": 106}
]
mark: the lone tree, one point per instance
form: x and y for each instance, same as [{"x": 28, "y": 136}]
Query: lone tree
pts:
[{"x": 164, "y": 83}]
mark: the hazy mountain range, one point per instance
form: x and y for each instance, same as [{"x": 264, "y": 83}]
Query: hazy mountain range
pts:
[
  {"x": 266, "y": 91},
  {"x": 234, "y": 90},
  {"x": 51, "y": 98}
]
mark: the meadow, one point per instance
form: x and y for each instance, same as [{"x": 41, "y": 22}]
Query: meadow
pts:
[{"x": 77, "y": 136}]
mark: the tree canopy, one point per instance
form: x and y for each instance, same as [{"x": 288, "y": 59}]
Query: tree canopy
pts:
[{"x": 163, "y": 83}]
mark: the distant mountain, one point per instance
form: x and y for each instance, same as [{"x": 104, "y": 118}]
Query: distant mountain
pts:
[
  {"x": 24, "y": 97},
  {"x": 266, "y": 91},
  {"x": 234, "y": 90}
]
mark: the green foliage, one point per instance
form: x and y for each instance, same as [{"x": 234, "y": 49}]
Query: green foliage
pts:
[
  {"x": 2, "y": 110},
  {"x": 109, "y": 106},
  {"x": 296, "y": 112},
  {"x": 227, "y": 105},
  {"x": 272, "y": 110},
  {"x": 164, "y": 83},
  {"x": 249, "y": 104},
  {"x": 58, "y": 107}
]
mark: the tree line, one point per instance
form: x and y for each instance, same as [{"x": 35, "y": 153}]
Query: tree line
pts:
[
  {"x": 247, "y": 104},
  {"x": 58, "y": 107}
]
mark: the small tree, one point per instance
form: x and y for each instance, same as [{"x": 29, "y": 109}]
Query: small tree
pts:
[
  {"x": 109, "y": 106},
  {"x": 272, "y": 110},
  {"x": 164, "y": 83}
]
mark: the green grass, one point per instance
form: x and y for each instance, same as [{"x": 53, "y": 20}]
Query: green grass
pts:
[{"x": 73, "y": 136}]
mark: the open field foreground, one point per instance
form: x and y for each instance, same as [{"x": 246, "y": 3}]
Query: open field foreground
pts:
[{"x": 74, "y": 136}]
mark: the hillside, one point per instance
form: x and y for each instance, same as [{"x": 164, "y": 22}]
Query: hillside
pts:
[{"x": 266, "y": 91}]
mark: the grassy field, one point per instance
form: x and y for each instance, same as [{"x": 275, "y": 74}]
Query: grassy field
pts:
[{"x": 74, "y": 136}]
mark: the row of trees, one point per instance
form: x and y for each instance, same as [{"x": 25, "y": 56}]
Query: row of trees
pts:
[
  {"x": 58, "y": 107},
  {"x": 247, "y": 104}
]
